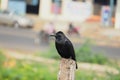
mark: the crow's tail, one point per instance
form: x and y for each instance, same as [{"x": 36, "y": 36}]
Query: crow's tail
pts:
[
  {"x": 76, "y": 66},
  {"x": 75, "y": 62}
]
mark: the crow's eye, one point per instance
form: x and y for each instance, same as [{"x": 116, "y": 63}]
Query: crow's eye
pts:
[{"x": 59, "y": 35}]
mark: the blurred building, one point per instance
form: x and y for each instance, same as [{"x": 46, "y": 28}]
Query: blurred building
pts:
[
  {"x": 3, "y": 4},
  {"x": 65, "y": 10},
  {"x": 21, "y": 6},
  {"x": 99, "y": 3},
  {"x": 117, "y": 16},
  {"x": 0, "y": 3}
]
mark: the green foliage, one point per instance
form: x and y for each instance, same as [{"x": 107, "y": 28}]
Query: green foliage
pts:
[
  {"x": 85, "y": 54},
  {"x": 30, "y": 70},
  {"x": 25, "y": 71},
  {"x": 83, "y": 75},
  {"x": 2, "y": 57},
  {"x": 51, "y": 53},
  {"x": 90, "y": 75}
]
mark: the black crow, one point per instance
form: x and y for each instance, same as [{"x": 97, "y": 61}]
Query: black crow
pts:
[{"x": 64, "y": 46}]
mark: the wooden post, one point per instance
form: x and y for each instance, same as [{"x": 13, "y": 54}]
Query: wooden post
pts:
[{"x": 67, "y": 69}]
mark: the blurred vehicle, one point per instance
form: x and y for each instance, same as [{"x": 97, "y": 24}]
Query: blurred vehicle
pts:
[
  {"x": 73, "y": 30},
  {"x": 15, "y": 20}
]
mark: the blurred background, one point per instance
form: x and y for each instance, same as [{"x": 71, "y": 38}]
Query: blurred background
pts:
[{"x": 28, "y": 53}]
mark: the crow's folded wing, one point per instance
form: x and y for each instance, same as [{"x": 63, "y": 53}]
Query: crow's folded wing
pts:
[{"x": 70, "y": 49}]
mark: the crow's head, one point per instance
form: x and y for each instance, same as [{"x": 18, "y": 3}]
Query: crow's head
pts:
[{"x": 60, "y": 37}]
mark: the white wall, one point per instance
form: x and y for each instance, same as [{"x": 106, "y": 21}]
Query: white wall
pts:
[
  {"x": 117, "y": 17},
  {"x": 4, "y": 4},
  {"x": 67, "y": 14},
  {"x": 44, "y": 11}
]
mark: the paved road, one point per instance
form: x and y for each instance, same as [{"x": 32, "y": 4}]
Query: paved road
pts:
[
  {"x": 20, "y": 39},
  {"x": 23, "y": 39}
]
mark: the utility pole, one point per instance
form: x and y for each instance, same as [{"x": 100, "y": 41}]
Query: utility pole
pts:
[{"x": 111, "y": 11}]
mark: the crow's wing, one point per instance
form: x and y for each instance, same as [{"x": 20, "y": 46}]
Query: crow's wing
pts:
[
  {"x": 59, "y": 49},
  {"x": 70, "y": 49}
]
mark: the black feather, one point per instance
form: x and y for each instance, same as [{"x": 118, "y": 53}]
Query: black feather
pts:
[{"x": 64, "y": 46}]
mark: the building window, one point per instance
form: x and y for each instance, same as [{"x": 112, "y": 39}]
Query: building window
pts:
[
  {"x": 32, "y": 2},
  {"x": 104, "y": 2},
  {"x": 79, "y": 0},
  {"x": 56, "y": 6}
]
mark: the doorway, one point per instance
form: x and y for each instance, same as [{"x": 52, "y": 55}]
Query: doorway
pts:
[{"x": 33, "y": 6}]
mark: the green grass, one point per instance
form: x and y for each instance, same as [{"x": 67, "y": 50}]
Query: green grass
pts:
[
  {"x": 27, "y": 72},
  {"x": 24, "y": 70},
  {"x": 83, "y": 54},
  {"x": 51, "y": 53},
  {"x": 30, "y": 70},
  {"x": 2, "y": 58}
]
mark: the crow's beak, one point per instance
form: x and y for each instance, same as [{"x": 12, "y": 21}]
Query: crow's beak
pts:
[{"x": 52, "y": 35}]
